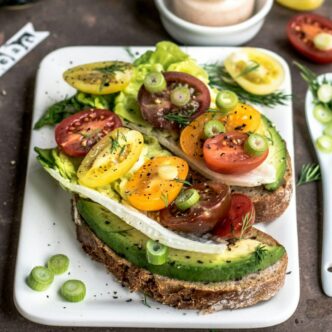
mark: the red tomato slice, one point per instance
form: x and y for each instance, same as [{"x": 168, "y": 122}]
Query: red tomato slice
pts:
[
  {"x": 225, "y": 153},
  {"x": 154, "y": 106},
  {"x": 301, "y": 31},
  {"x": 239, "y": 220},
  {"x": 77, "y": 134}
]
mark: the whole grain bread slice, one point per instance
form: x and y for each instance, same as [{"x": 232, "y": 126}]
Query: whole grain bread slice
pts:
[
  {"x": 206, "y": 297},
  {"x": 269, "y": 205}
]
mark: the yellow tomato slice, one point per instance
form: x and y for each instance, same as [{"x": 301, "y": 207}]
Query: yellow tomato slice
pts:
[
  {"x": 99, "y": 78},
  {"x": 111, "y": 158},
  {"x": 192, "y": 136},
  {"x": 243, "y": 118},
  {"x": 151, "y": 188},
  {"x": 255, "y": 71}
]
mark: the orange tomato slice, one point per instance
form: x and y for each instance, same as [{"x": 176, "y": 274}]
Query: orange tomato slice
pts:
[
  {"x": 150, "y": 189},
  {"x": 192, "y": 137},
  {"x": 243, "y": 118}
]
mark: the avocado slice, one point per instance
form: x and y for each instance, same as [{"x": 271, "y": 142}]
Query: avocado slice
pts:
[
  {"x": 277, "y": 151},
  {"x": 240, "y": 258}
]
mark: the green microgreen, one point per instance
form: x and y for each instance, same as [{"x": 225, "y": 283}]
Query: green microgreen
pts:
[
  {"x": 185, "y": 182},
  {"x": 309, "y": 173}
]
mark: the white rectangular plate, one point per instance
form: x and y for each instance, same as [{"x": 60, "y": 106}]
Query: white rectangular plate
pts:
[{"x": 47, "y": 228}]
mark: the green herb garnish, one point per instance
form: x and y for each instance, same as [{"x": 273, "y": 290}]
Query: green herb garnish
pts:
[
  {"x": 248, "y": 69},
  {"x": 185, "y": 182},
  {"x": 221, "y": 79},
  {"x": 247, "y": 221},
  {"x": 309, "y": 173},
  {"x": 182, "y": 120},
  {"x": 260, "y": 253},
  {"x": 144, "y": 301},
  {"x": 130, "y": 53}
]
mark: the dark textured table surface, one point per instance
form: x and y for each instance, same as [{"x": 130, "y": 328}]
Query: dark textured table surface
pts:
[{"x": 128, "y": 22}]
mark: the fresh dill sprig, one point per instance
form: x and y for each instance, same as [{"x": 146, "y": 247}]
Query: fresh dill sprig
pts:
[
  {"x": 247, "y": 221},
  {"x": 164, "y": 198},
  {"x": 185, "y": 182},
  {"x": 145, "y": 302},
  {"x": 309, "y": 173},
  {"x": 309, "y": 76},
  {"x": 248, "y": 69},
  {"x": 221, "y": 79},
  {"x": 115, "y": 143},
  {"x": 182, "y": 120},
  {"x": 260, "y": 253},
  {"x": 130, "y": 53}
]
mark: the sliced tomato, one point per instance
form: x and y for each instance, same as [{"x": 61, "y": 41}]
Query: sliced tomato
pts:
[
  {"x": 77, "y": 134},
  {"x": 147, "y": 190},
  {"x": 239, "y": 219},
  {"x": 111, "y": 158},
  {"x": 192, "y": 137},
  {"x": 156, "y": 108},
  {"x": 256, "y": 71},
  {"x": 99, "y": 78},
  {"x": 301, "y": 31},
  {"x": 202, "y": 217},
  {"x": 225, "y": 153},
  {"x": 243, "y": 118}
]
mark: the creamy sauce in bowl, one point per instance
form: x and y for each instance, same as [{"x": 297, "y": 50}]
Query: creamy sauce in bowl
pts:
[{"x": 216, "y": 13}]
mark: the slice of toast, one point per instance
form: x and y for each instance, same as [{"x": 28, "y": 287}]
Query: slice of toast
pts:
[{"x": 206, "y": 297}]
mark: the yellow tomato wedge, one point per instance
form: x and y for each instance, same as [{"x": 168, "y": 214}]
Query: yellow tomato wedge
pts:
[
  {"x": 192, "y": 136},
  {"x": 99, "y": 78},
  {"x": 157, "y": 183},
  {"x": 255, "y": 71},
  {"x": 111, "y": 158},
  {"x": 243, "y": 118}
]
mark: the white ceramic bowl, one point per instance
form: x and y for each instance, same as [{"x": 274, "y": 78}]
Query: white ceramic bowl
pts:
[{"x": 194, "y": 34}]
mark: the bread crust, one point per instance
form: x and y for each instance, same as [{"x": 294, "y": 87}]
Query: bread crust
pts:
[
  {"x": 269, "y": 205},
  {"x": 206, "y": 297}
]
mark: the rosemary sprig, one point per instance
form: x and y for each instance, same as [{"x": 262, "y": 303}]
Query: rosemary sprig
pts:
[
  {"x": 309, "y": 173},
  {"x": 309, "y": 76},
  {"x": 130, "y": 53},
  {"x": 248, "y": 69},
  {"x": 260, "y": 253},
  {"x": 164, "y": 198},
  {"x": 182, "y": 120},
  {"x": 221, "y": 79},
  {"x": 246, "y": 223}
]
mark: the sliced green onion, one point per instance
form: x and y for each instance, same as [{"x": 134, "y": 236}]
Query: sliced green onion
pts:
[
  {"x": 328, "y": 130},
  {"x": 73, "y": 290},
  {"x": 180, "y": 96},
  {"x": 322, "y": 114},
  {"x": 256, "y": 145},
  {"x": 323, "y": 41},
  {"x": 156, "y": 253},
  {"x": 155, "y": 82},
  {"x": 226, "y": 100},
  {"x": 40, "y": 278},
  {"x": 58, "y": 264},
  {"x": 213, "y": 128},
  {"x": 324, "y": 93},
  {"x": 187, "y": 199},
  {"x": 324, "y": 143}
]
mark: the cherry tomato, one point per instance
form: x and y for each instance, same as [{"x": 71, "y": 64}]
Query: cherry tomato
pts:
[
  {"x": 243, "y": 118},
  {"x": 100, "y": 78},
  {"x": 158, "y": 109},
  {"x": 212, "y": 207},
  {"x": 225, "y": 153},
  {"x": 192, "y": 137},
  {"x": 239, "y": 219},
  {"x": 77, "y": 134},
  {"x": 301, "y": 31},
  {"x": 151, "y": 188},
  {"x": 111, "y": 158}
]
